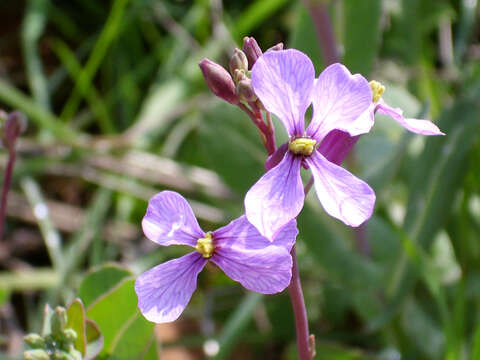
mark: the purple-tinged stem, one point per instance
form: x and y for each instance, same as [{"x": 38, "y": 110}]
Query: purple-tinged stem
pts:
[
  {"x": 6, "y": 187},
  {"x": 267, "y": 132},
  {"x": 323, "y": 26},
  {"x": 305, "y": 341},
  {"x": 299, "y": 311}
]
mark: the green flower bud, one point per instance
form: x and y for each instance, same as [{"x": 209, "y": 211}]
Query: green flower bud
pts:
[
  {"x": 59, "y": 321},
  {"x": 35, "y": 341},
  {"x": 70, "y": 335},
  {"x": 61, "y": 355},
  {"x": 238, "y": 61},
  {"x": 37, "y": 354}
]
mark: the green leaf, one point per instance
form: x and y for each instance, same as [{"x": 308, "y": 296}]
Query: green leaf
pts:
[
  {"x": 361, "y": 34},
  {"x": 236, "y": 324},
  {"x": 127, "y": 335},
  {"x": 94, "y": 339},
  {"x": 233, "y": 146},
  {"x": 76, "y": 321},
  {"x": 4, "y": 296},
  {"x": 100, "y": 281},
  {"x": 436, "y": 177},
  {"x": 302, "y": 37}
]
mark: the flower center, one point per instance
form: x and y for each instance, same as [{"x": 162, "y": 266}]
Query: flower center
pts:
[
  {"x": 302, "y": 146},
  {"x": 377, "y": 90},
  {"x": 205, "y": 246}
]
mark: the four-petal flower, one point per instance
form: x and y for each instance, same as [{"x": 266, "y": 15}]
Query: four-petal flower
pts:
[
  {"x": 237, "y": 248},
  {"x": 285, "y": 83}
]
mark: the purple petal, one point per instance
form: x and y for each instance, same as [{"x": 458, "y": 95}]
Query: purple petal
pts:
[
  {"x": 339, "y": 102},
  {"x": 170, "y": 220},
  {"x": 276, "y": 198},
  {"x": 276, "y": 157},
  {"x": 336, "y": 146},
  {"x": 164, "y": 291},
  {"x": 417, "y": 126},
  {"x": 342, "y": 195},
  {"x": 266, "y": 271},
  {"x": 283, "y": 81},
  {"x": 242, "y": 234}
]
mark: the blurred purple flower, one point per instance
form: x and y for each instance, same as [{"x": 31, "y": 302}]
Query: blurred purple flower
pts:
[
  {"x": 238, "y": 249},
  {"x": 284, "y": 81}
]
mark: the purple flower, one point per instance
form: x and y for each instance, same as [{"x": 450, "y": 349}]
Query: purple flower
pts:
[
  {"x": 238, "y": 249},
  {"x": 284, "y": 81},
  {"x": 418, "y": 126}
]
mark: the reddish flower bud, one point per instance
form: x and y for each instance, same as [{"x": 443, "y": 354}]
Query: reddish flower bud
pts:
[
  {"x": 15, "y": 124},
  {"x": 219, "y": 81},
  {"x": 252, "y": 50},
  {"x": 245, "y": 90},
  {"x": 277, "y": 47},
  {"x": 238, "y": 61}
]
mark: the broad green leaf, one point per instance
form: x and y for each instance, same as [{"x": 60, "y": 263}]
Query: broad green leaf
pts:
[
  {"x": 77, "y": 322},
  {"x": 94, "y": 339},
  {"x": 100, "y": 281},
  {"x": 126, "y": 333},
  {"x": 134, "y": 339},
  {"x": 361, "y": 34}
]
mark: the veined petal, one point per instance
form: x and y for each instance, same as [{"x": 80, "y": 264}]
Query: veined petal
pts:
[
  {"x": 276, "y": 198},
  {"x": 417, "y": 126},
  {"x": 283, "y": 81},
  {"x": 339, "y": 102},
  {"x": 164, "y": 291},
  {"x": 170, "y": 220},
  {"x": 342, "y": 195},
  {"x": 240, "y": 233},
  {"x": 336, "y": 146},
  {"x": 267, "y": 271}
]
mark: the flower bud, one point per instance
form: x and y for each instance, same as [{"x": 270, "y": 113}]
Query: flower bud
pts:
[
  {"x": 59, "y": 321},
  {"x": 251, "y": 50},
  {"x": 70, "y": 335},
  {"x": 34, "y": 341},
  {"x": 61, "y": 355},
  {"x": 37, "y": 354},
  {"x": 245, "y": 90},
  {"x": 219, "y": 81},
  {"x": 277, "y": 47},
  {"x": 15, "y": 124},
  {"x": 239, "y": 75},
  {"x": 238, "y": 61}
]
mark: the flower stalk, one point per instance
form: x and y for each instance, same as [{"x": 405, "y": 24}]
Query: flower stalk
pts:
[{"x": 14, "y": 124}]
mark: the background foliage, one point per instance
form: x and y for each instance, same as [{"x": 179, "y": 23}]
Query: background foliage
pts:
[{"x": 118, "y": 111}]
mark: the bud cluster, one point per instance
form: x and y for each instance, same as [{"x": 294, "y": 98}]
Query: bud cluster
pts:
[
  {"x": 57, "y": 343},
  {"x": 236, "y": 86}
]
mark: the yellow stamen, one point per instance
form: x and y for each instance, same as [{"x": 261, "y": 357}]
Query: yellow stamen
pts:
[
  {"x": 205, "y": 246},
  {"x": 377, "y": 90},
  {"x": 302, "y": 146}
]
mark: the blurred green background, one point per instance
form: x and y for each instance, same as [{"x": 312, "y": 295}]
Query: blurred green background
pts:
[{"x": 118, "y": 110}]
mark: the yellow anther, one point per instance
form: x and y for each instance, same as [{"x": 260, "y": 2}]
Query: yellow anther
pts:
[
  {"x": 377, "y": 90},
  {"x": 302, "y": 146},
  {"x": 205, "y": 246}
]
